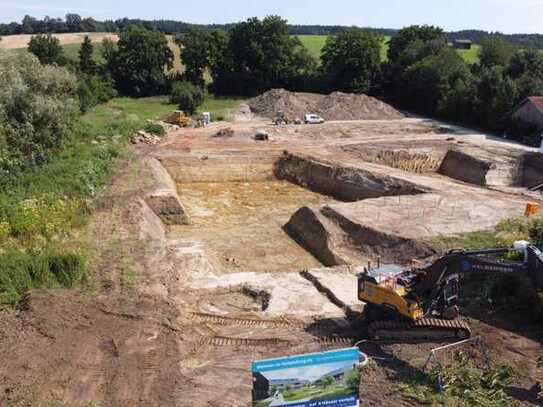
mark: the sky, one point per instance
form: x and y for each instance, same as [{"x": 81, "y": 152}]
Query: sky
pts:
[
  {"x": 306, "y": 373},
  {"x": 507, "y": 16}
]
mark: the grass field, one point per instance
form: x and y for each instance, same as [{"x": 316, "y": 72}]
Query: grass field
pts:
[
  {"x": 471, "y": 56},
  {"x": 315, "y": 43}
]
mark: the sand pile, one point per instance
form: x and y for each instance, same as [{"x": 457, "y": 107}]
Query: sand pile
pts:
[{"x": 335, "y": 106}]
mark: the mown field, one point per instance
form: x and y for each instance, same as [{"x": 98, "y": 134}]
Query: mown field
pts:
[
  {"x": 71, "y": 51},
  {"x": 315, "y": 43}
]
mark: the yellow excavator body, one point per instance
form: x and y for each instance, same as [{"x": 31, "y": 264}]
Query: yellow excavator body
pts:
[{"x": 389, "y": 295}]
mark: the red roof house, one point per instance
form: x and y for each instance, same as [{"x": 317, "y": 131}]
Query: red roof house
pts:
[{"x": 529, "y": 113}]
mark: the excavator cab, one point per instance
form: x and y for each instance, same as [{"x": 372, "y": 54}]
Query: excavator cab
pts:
[
  {"x": 388, "y": 287},
  {"x": 448, "y": 301}
]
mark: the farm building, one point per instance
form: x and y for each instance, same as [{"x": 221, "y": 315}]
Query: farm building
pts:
[
  {"x": 463, "y": 44},
  {"x": 529, "y": 114}
]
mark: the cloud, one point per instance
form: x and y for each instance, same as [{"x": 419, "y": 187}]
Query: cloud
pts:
[{"x": 306, "y": 373}]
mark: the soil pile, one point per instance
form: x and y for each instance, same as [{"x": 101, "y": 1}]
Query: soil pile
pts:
[{"x": 335, "y": 106}]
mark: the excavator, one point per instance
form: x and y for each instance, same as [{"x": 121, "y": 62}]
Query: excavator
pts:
[{"x": 421, "y": 301}]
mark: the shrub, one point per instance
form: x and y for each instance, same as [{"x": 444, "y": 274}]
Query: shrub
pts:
[
  {"x": 93, "y": 90},
  {"x": 43, "y": 216},
  {"x": 47, "y": 48},
  {"x": 521, "y": 228},
  {"x": 38, "y": 109},
  {"x": 155, "y": 129},
  {"x": 187, "y": 96}
]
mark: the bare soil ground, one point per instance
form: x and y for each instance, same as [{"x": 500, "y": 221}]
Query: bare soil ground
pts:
[
  {"x": 250, "y": 215},
  {"x": 175, "y": 315}
]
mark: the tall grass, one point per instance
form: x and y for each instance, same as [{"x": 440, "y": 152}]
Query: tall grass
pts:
[{"x": 47, "y": 268}]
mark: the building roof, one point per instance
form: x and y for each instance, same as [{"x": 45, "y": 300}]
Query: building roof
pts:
[
  {"x": 464, "y": 41},
  {"x": 537, "y": 101}
]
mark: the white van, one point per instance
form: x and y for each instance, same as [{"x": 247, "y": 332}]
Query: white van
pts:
[{"x": 313, "y": 119}]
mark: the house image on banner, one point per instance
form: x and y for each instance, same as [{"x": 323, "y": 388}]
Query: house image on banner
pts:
[
  {"x": 264, "y": 388},
  {"x": 339, "y": 376}
]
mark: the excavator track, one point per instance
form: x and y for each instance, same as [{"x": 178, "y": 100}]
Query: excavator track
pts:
[{"x": 423, "y": 329}]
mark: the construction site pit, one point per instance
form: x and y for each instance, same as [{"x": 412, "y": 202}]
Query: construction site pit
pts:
[{"x": 241, "y": 223}]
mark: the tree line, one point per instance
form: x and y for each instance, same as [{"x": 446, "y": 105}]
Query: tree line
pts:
[{"x": 73, "y": 23}]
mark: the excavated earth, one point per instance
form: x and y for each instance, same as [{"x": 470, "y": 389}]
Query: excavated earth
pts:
[
  {"x": 335, "y": 106},
  {"x": 212, "y": 250}
]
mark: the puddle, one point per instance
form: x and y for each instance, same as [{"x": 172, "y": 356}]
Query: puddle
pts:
[{"x": 241, "y": 222}]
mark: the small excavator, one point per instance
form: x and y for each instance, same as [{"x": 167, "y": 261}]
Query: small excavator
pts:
[{"x": 421, "y": 301}]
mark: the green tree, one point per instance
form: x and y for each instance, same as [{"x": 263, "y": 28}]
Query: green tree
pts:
[
  {"x": 109, "y": 48},
  {"x": 526, "y": 62},
  {"x": 497, "y": 94},
  {"x": 139, "y": 61},
  {"x": 221, "y": 64},
  {"x": 261, "y": 55},
  {"x": 86, "y": 61},
  {"x": 495, "y": 51},
  {"x": 526, "y": 69},
  {"x": 404, "y": 38},
  {"x": 407, "y": 47},
  {"x": 73, "y": 22},
  {"x": 187, "y": 96},
  {"x": 428, "y": 82},
  {"x": 195, "y": 47},
  {"x": 47, "y": 48},
  {"x": 351, "y": 60}
]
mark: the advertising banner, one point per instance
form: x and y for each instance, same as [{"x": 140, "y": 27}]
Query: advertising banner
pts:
[{"x": 328, "y": 379}]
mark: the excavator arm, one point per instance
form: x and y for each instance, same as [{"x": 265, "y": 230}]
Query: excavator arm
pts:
[{"x": 431, "y": 287}]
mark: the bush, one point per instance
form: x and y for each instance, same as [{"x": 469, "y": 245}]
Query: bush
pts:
[
  {"x": 23, "y": 270},
  {"x": 187, "y": 96},
  {"x": 47, "y": 48},
  {"x": 155, "y": 129},
  {"x": 521, "y": 228},
  {"x": 38, "y": 109},
  {"x": 93, "y": 90}
]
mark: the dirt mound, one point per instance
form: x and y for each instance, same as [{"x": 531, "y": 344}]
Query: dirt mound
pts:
[{"x": 335, "y": 106}]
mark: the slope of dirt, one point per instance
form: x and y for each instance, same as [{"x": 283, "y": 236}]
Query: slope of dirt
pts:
[{"x": 335, "y": 106}]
